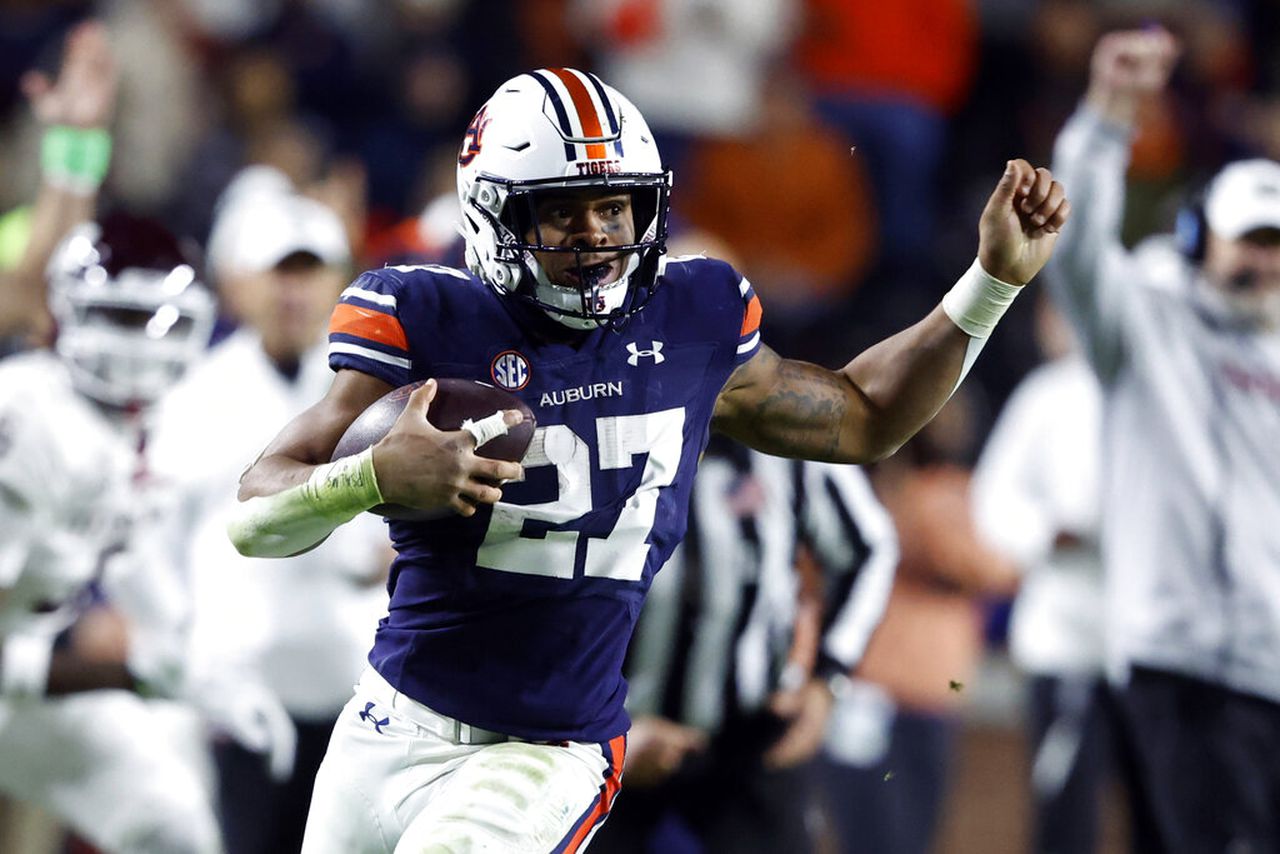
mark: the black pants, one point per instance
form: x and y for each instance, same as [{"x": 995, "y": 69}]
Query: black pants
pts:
[
  {"x": 257, "y": 814},
  {"x": 1073, "y": 730},
  {"x": 893, "y": 806},
  {"x": 722, "y": 801},
  {"x": 1209, "y": 764}
]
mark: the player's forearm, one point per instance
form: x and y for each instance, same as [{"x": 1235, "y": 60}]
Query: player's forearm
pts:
[
  {"x": 906, "y": 378},
  {"x": 904, "y": 381},
  {"x": 294, "y": 519},
  {"x": 273, "y": 473}
]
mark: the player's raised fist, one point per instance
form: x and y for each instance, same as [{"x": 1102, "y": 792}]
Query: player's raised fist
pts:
[{"x": 1020, "y": 223}]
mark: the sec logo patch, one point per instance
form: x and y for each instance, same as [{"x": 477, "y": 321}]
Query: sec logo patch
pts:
[{"x": 510, "y": 370}]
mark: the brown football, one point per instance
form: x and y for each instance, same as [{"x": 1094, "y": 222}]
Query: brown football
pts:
[{"x": 456, "y": 400}]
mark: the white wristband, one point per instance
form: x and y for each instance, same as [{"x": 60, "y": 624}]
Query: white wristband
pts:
[
  {"x": 24, "y": 665},
  {"x": 298, "y": 518},
  {"x": 978, "y": 300}
]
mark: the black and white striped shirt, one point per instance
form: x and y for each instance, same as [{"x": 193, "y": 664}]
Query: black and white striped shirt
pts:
[{"x": 717, "y": 625}]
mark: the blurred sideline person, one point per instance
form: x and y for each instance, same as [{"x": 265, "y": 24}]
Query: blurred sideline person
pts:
[
  {"x": 728, "y": 707},
  {"x": 75, "y": 110},
  {"x": 77, "y": 515},
  {"x": 888, "y": 758},
  {"x": 1184, "y": 335},
  {"x": 493, "y": 710},
  {"x": 1035, "y": 499},
  {"x": 302, "y": 626}
]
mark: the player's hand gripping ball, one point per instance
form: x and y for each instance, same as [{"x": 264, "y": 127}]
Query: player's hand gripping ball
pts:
[{"x": 456, "y": 401}]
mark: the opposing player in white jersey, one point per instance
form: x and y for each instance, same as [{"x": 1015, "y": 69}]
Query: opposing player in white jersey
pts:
[
  {"x": 75, "y": 736},
  {"x": 492, "y": 715},
  {"x": 1184, "y": 334}
]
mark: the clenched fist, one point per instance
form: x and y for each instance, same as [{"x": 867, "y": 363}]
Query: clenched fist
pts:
[
  {"x": 1020, "y": 223},
  {"x": 1128, "y": 66}
]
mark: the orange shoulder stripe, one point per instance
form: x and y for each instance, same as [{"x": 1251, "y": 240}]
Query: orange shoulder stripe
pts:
[
  {"x": 363, "y": 322},
  {"x": 751, "y": 320}
]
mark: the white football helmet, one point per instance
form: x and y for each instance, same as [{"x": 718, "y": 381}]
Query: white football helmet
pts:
[
  {"x": 131, "y": 314},
  {"x": 557, "y": 129}
]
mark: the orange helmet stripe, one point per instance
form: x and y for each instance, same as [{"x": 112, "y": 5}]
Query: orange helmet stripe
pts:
[{"x": 587, "y": 115}]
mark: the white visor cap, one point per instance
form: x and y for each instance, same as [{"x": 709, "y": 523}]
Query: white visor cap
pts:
[
  {"x": 256, "y": 232},
  {"x": 1243, "y": 197}
]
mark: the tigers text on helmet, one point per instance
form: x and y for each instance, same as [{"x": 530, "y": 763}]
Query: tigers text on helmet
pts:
[
  {"x": 130, "y": 311},
  {"x": 552, "y": 131}
]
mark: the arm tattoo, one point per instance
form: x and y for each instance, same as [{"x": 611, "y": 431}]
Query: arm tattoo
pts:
[{"x": 803, "y": 412}]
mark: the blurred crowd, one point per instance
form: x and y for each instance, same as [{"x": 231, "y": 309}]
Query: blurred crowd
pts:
[{"x": 836, "y": 151}]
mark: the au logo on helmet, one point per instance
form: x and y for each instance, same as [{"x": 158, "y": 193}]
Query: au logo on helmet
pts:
[{"x": 474, "y": 137}]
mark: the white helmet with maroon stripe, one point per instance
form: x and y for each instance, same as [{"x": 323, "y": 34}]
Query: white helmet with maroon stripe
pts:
[
  {"x": 132, "y": 314},
  {"x": 558, "y": 129}
]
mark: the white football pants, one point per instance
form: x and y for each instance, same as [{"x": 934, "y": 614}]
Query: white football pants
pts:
[{"x": 397, "y": 779}]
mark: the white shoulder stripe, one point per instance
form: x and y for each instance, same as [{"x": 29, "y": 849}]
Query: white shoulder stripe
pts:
[
  {"x": 432, "y": 268},
  {"x": 369, "y": 296},
  {"x": 749, "y": 345},
  {"x": 743, "y": 287},
  {"x": 369, "y": 353}
]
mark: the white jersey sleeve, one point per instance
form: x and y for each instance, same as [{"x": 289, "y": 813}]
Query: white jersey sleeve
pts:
[
  {"x": 64, "y": 473},
  {"x": 20, "y": 499}
]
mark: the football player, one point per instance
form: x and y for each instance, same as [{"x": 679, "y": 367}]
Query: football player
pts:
[
  {"x": 491, "y": 717},
  {"x": 75, "y": 502}
]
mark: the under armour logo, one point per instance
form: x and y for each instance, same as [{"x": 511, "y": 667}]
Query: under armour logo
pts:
[
  {"x": 368, "y": 715},
  {"x": 655, "y": 353}
]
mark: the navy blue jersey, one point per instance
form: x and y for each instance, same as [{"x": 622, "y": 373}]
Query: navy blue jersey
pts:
[{"x": 517, "y": 619}]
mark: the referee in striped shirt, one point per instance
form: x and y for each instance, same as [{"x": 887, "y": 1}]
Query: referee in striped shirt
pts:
[{"x": 733, "y": 662}]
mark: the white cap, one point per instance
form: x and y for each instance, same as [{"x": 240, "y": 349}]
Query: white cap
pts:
[
  {"x": 255, "y": 231},
  {"x": 1242, "y": 197}
]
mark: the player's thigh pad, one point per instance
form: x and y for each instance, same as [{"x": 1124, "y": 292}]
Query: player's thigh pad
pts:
[
  {"x": 516, "y": 797},
  {"x": 112, "y": 766},
  {"x": 379, "y": 769},
  {"x": 384, "y": 777}
]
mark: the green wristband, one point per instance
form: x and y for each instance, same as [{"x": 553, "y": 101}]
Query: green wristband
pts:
[
  {"x": 300, "y": 517},
  {"x": 341, "y": 489},
  {"x": 75, "y": 158}
]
